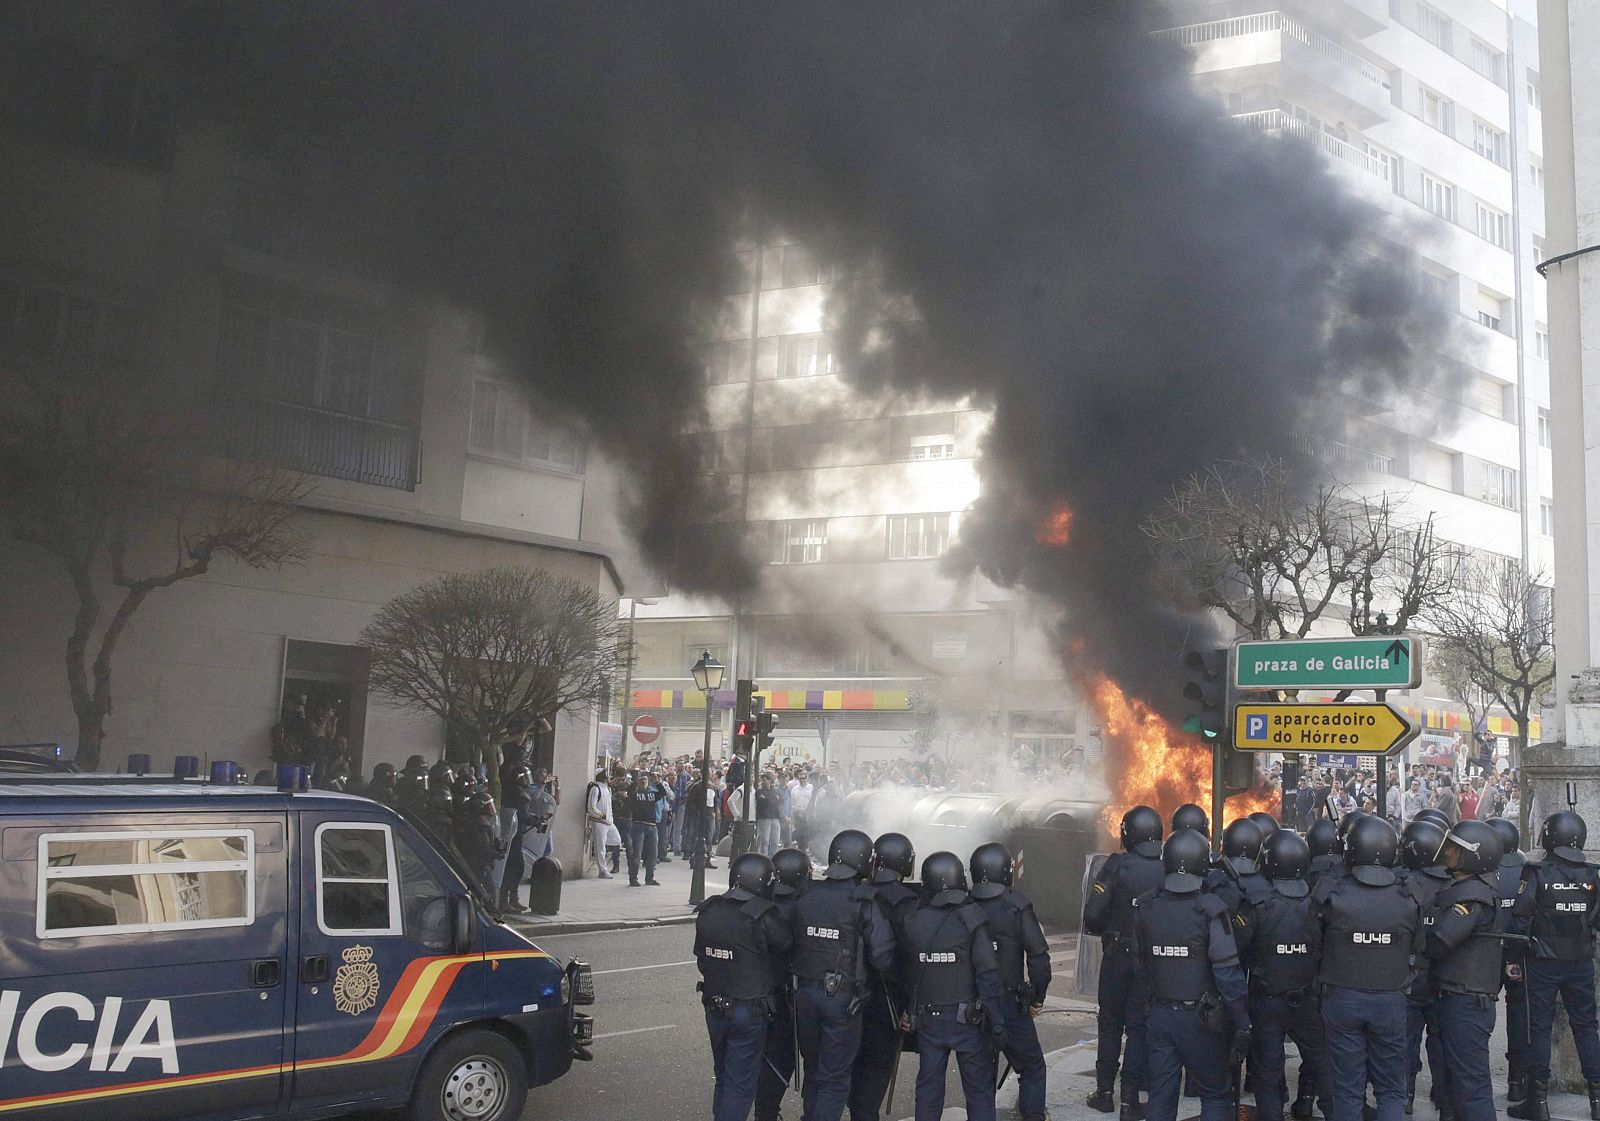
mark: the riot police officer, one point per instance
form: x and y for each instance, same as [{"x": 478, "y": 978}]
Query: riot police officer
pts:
[
  {"x": 1283, "y": 977},
  {"x": 1557, "y": 907},
  {"x": 480, "y": 844},
  {"x": 741, "y": 946},
  {"x": 1191, "y": 816},
  {"x": 839, "y": 930},
  {"x": 1199, "y": 1014},
  {"x": 791, "y": 870},
  {"x": 1509, "y": 876},
  {"x": 894, "y": 859},
  {"x": 1366, "y": 928},
  {"x": 411, "y": 783},
  {"x": 1018, "y": 939},
  {"x": 1234, "y": 877},
  {"x": 381, "y": 788},
  {"x": 1465, "y": 969},
  {"x": 1108, "y": 912},
  {"x": 1327, "y": 851},
  {"x": 952, "y": 991},
  {"x": 1264, "y": 822},
  {"x": 1424, "y": 877}
]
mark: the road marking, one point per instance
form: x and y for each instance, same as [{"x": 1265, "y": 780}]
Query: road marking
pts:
[
  {"x": 634, "y": 1031},
  {"x": 636, "y": 968}
]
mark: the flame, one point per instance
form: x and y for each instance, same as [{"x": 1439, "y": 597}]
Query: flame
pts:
[
  {"x": 1055, "y": 528},
  {"x": 1153, "y": 764}
]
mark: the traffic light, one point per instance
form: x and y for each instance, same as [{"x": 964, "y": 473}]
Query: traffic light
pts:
[
  {"x": 766, "y": 726},
  {"x": 744, "y": 721},
  {"x": 1207, "y": 691},
  {"x": 1238, "y": 770}
]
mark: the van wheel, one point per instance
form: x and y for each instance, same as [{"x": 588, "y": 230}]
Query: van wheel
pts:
[{"x": 474, "y": 1076}]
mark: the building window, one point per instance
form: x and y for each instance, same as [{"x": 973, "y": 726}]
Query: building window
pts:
[
  {"x": 1536, "y": 172},
  {"x": 932, "y": 447},
  {"x": 1488, "y": 61},
  {"x": 1489, "y": 320},
  {"x": 1538, "y": 248},
  {"x": 803, "y": 356},
  {"x": 1498, "y": 485},
  {"x": 1434, "y": 26},
  {"x": 1438, "y": 111},
  {"x": 1493, "y": 226},
  {"x": 1490, "y": 398},
  {"x": 62, "y": 329},
  {"x": 728, "y": 362},
  {"x": 788, "y": 266},
  {"x": 1439, "y": 197},
  {"x": 1488, "y": 141},
  {"x": 1541, "y": 339},
  {"x": 1437, "y": 289},
  {"x": 1535, "y": 100},
  {"x": 1547, "y": 517},
  {"x": 137, "y": 882},
  {"x": 357, "y": 891},
  {"x": 800, "y": 542},
  {"x": 504, "y": 425},
  {"x": 1544, "y": 428},
  {"x": 918, "y": 536}
]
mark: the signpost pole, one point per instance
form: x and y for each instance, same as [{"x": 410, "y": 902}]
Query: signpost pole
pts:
[
  {"x": 1382, "y": 763},
  {"x": 1217, "y": 796}
]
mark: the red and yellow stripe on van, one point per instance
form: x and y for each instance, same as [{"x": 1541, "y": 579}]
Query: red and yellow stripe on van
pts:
[{"x": 402, "y": 1023}]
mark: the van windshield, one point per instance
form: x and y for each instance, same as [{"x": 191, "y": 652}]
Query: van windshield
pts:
[{"x": 447, "y": 851}]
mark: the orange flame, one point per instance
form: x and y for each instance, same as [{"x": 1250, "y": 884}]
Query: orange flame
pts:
[
  {"x": 1151, "y": 763},
  {"x": 1055, "y": 528}
]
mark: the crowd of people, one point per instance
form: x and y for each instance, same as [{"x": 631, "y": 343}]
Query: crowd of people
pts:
[{"x": 1335, "y": 792}]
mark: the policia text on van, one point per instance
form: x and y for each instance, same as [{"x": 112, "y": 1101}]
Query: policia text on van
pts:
[{"x": 184, "y": 950}]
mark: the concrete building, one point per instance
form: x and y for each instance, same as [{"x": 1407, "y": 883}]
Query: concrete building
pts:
[
  {"x": 1431, "y": 112},
  {"x": 249, "y": 284}
]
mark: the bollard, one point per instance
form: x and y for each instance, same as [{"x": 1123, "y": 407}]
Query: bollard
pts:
[{"x": 544, "y": 886}]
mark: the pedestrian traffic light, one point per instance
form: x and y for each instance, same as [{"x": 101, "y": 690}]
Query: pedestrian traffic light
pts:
[
  {"x": 744, "y": 734},
  {"x": 744, "y": 721},
  {"x": 1207, "y": 691},
  {"x": 766, "y": 726}
]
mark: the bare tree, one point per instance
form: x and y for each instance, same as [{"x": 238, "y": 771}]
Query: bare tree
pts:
[
  {"x": 107, "y": 475},
  {"x": 492, "y": 652},
  {"x": 1243, "y": 539}
]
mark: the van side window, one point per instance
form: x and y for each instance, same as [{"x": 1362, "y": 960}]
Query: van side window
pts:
[
  {"x": 426, "y": 902},
  {"x": 356, "y": 888},
  {"x": 133, "y": 882}
]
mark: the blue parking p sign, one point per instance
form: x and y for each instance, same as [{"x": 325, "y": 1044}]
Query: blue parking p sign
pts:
[{"x": 1255, "y": 727}]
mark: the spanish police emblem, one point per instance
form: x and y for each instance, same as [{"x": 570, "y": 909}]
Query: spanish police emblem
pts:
[{"x": 355, "y": 983}]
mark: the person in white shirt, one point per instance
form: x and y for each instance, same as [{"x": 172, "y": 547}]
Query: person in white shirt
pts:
[
  {"x": 601, "y": 825},
  {"x": 800, "y": 794}
]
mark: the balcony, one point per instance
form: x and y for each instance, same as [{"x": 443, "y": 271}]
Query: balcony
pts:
[
  {"x": 1380, "y": 165},
  {"x": 1272, "y": 48},
  {"x": 1345, "y": 457},
  {"x": 317, "y": 441}
]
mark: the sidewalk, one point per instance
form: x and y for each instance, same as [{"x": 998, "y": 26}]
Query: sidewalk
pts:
[{"x": 595, "y": 904}]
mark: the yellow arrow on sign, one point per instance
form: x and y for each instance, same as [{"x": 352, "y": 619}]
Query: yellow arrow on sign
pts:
[{"x": 1358, "y": 727}]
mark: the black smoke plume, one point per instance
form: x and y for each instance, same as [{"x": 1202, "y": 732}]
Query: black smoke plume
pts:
[{"x": 1053, "y": 220}]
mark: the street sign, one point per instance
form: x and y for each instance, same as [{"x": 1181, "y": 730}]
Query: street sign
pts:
[
  {"x": 647, "y": 729},
  {"x": 1352, "y": 728},
  {"x": 1379, "y": 662}
]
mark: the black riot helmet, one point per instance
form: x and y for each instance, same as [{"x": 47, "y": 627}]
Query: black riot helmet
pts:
[
  {"x": 416, "y": 765},
  {"x": 1285, "y": 856},
  {"x": 1421, "y": 841},
  {"x": 1266, "y": 823},
  {"x": 942, "y": 872},
  {"x": 1370, "y": 849},
  {"x": 383, "y": 770},
  {"x": 793, "y": 870},
  {"x": 1347, "y": 823},
  {"x": 1241, "y": 845},
  {"x": 1434, "y": 814},
  {"x": 1185, "y": 859},
  {"x": 1471, "y": 848},
  {"x": 441, "y": 774},
  {"x": 1191, "y": 816},
  {"x": 992, "y": 871},
  {"x": 1323, "y": 838},
  {"x": 1510, "y": 835},
  {"x": 850, "y": 856},
  {"x": 895, "y": 857},
  {"x": 749, "y": 876},
  {"x": 1564, "y": 833},
  {"x": 1142, "y": 826}
]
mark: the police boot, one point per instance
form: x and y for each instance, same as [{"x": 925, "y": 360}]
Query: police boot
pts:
[
  {"x": 1536, "y": 1106},
  {"x": 1516, "y": 1086},
  {"x": 1411, "y": 1093},
  {"x": 1102, "y": 1099},
  {"x": 1447, "y": 1111},
  {"x": 1132, "y": 1107},
  {"x": 1594, "y": 1101},
  {"x": 1301, "y": 1108}
]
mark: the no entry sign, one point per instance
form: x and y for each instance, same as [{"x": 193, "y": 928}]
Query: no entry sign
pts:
[{"x": 647, "y": 729}]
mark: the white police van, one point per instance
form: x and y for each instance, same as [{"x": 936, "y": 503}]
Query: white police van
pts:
[{"x": 182, "y": 951}]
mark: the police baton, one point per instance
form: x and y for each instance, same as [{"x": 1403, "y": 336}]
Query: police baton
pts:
[
  {"x": 899, "y": 1038},
  {"x": 1004, "y": 1074}
]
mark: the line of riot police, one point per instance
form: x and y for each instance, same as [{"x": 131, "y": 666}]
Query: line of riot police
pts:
[
  {"x": 829, "y": 979},
  {"x": 1359, "y": 944}
]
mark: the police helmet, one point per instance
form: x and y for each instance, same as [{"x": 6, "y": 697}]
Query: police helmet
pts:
[
  {"x": 1347, "y": 823},
  {"x": 1323, "y": 838},
  {"x": 441, "y": 774},
  {"x": 1266, "y": 823},
  {"x": 1435, "y": 814},
  {"x": 942, "y": 872},
  {"x": 1510, "y": 835},
  {"x": 1191, "y": 816},
  {"x": 416, "y": 765},
  {"x": 1241, "y": 845},
  {"x": 1471, "y": 848},
  {"x": 1185, "y": 858},
  {"x": 749, "y": 876},
  {"x": 894, "y": 856},
  {"x": 1370, "y": 849},
  {"x": 991, "y": 870},
  {"x": 1142, "y": 826},
  {"x": 1285, "y": 856},
  {"x": 483, "y": 802},
  {"x": 850, "y": 856},
  {"x": 793, "y": 870},
  {"x": 1564, "y": 833},
  {"x": 382, "y": 770},
  {"x": 1421, "y": 841}
]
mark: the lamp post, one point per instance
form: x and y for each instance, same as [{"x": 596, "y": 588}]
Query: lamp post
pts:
[{"x": 708, "y": 679}]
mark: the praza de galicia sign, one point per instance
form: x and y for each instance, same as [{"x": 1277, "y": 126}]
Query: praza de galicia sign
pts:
[{"x": 1379, "y": 662}]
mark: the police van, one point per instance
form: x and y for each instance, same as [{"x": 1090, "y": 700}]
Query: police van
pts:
[{"x": 186, "y": 950}]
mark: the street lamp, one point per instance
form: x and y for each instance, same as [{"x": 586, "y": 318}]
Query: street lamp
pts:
[{"x": 707, "y": 674}]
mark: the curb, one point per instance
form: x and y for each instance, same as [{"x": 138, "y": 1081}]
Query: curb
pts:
[{"x": 534, "y": 929}]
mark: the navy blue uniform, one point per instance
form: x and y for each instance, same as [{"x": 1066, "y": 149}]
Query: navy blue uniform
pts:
[
  {"x": 1108, "y": 912},
  {"x": 1557, "y": 906},
  {"x": 778, "y": 1059},
  {"x": 1464, "y": 972},
  {"x": 741, "y": 945},
  {"x": 1198, "y": 998},
  {"x": 1506, "y": 884},
  {"x": 1425, "y": 884},
  {"x": 1283, "y": 1000},
  {"x": 880, "y": 1033},
  {"x": 1019, "y": 941}
]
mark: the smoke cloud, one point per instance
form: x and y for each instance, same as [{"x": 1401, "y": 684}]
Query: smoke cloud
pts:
[{"x": 1038, "y": 210}]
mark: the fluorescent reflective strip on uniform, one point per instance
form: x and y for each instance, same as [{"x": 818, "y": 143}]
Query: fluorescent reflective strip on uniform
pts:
[{"x": 401, "y": 1024}]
